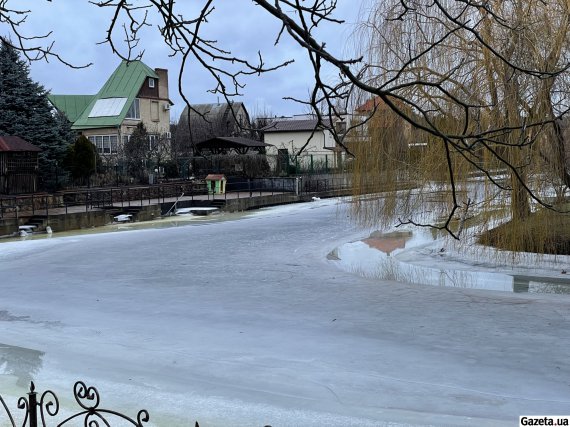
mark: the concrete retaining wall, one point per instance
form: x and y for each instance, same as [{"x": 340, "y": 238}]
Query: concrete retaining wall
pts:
[
  {"x": 63, "y": 222},
  {"x": 147, "y": 213},
  {"x": 235, "y": 205},
  {"x": 77, "y": 220},
  {"x": 9, "y": 226}
]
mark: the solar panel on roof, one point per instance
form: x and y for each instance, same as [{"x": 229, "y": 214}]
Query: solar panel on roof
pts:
[{"x": 108, "y": 107}]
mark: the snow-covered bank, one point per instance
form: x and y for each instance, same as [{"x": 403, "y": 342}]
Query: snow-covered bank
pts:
[
  {"x": 247, "y": 323},
  {"x": 421, "y": 259}
]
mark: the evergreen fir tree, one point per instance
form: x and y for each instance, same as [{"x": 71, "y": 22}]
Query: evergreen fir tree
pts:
[
  {"x": 26, "y": 112},
  {"x": 80, "y": 160},
  {"x": 136, "y": 152}
]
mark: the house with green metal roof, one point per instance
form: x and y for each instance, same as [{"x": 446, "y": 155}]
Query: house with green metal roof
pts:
[{"x": 134, "y": 93}]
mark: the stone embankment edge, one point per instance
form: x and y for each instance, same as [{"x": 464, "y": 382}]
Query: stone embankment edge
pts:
[{"x": 100, "y": 217}]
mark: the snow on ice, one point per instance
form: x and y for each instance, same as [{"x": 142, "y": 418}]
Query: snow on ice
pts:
[{"x": 245, "y": 321}]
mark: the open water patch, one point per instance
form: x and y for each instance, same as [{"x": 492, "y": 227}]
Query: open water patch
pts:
[
  {"x": 377, "y": 257},
  {"x": 541, "y": 285},
  {"x": 158, "y": 223}
]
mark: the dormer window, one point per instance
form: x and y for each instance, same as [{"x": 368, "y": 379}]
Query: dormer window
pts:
[{"x": 150, "y": 82}]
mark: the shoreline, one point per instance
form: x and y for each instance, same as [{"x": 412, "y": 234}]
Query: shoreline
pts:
[{"x": 410, "y": 257}]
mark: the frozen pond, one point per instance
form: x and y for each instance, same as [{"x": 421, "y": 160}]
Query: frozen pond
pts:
[{"x": 243, "y": 321}]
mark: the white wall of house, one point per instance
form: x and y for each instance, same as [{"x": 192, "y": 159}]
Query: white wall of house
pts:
[
  {"x": 318, "y": 148},
  {"x": 320, "y": 142},
  {"x": 154, "y": 115},
  {"x": 102, "y": 131}
]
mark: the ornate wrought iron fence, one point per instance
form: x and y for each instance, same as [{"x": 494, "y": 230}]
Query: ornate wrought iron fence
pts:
[{"x": 38, "y": 407}]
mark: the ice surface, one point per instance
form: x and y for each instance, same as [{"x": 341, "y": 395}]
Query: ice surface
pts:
[{"x": 246, "y": 322}]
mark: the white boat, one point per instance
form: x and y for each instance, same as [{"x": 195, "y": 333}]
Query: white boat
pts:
[
  {"x": 182, "y": 211},
  {"x": 123, "y": 217},
  {"x": 195, "y": 211}
]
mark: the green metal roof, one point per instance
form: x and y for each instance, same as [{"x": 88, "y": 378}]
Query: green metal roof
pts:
[
  {"x": 71, "y": 105},
  {"x": 125, "y": 82}
]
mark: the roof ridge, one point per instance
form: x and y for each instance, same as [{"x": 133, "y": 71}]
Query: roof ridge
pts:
[{"x": 16, "y": 143}]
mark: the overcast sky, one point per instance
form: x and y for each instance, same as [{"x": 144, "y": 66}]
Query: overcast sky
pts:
[{"x": 238, "y": 25}]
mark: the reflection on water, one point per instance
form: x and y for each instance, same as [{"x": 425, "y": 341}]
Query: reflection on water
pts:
[
  {"x": 21, "y": 362},
  {"x": 166, "y": 222},
  {"x": 541, "y": 285},
  {"x": 388, "y": 242},
  {"x": 382, "y": 264}
]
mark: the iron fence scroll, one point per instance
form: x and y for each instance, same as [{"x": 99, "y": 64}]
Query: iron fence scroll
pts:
[{"x": 38, "y": 408}]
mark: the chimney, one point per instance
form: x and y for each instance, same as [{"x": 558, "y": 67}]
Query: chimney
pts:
[{"x": 162, "y": 74}]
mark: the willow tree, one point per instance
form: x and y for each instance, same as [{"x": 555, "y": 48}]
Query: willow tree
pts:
[{"x": 484, "y": 84}]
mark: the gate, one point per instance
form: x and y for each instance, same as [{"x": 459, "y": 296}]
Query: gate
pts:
[{"x": 39, "y": 407}]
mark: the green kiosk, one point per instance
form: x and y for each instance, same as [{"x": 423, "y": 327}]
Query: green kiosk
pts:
[{"x": 216, "y": 184}]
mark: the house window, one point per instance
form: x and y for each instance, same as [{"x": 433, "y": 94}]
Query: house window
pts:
[
  {"x": 340, "y": 127},
  {"x": 153, "y": 142},
  {"x": 154, "y": 111},
  {"x": 105, "y": 144},
  {"x": 151, "y": 82},
  {"x": 113, "y": 141},
  {"x": 134, "y": 112}
]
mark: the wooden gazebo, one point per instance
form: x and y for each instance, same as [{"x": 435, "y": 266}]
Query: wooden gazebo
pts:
[
  {"x": 230, "y": 155},
  {"x": 18, "y": 165},
  {"x": 229, "y": 144}
]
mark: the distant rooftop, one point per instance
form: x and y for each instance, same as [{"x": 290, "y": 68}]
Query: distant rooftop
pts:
[
  {"x": 214, "y": 120},
  {"x": 231, "y": 142},
  {"x": 292, "y": 125},
  {"x": 15, "y": 143}
]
